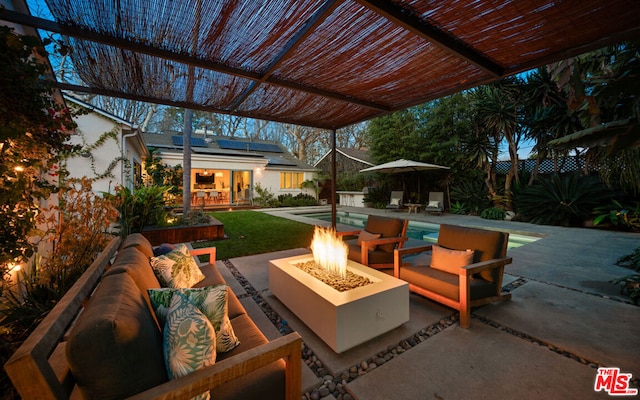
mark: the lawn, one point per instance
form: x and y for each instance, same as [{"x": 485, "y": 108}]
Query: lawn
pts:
[{"x": 252, "y": 232}]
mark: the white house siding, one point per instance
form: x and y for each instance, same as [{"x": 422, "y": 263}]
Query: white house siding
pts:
[
  {"x": 270, "y": 180},
  {"x": 90, "y": 127},
  {"x": 123, "y": 159}
]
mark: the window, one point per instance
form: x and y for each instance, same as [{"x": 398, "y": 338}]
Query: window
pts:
[{"x": 291, "y": 180}]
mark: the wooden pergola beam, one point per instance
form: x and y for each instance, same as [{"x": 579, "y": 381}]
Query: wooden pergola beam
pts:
[
  {"x": 125, "y": 44},
  {"x": 422, "y": 28}
]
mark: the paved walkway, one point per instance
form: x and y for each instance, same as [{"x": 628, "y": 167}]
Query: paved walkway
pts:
[{"x": 564, "y": 320}]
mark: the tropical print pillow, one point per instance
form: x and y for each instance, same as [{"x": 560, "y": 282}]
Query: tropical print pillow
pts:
[
  {"x": 210, "y": 300},
  {"x": 177, "y": 269},
  {"x": 189, "y": 340}
]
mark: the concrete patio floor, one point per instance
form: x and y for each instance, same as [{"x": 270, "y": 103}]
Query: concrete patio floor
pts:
[{"x": 565, "y": 319}]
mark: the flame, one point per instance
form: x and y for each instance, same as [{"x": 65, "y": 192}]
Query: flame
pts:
[{"x": 329, "y": 251}]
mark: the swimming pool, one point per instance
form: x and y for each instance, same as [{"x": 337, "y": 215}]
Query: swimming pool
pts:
[{"x": 416, "y": 230}]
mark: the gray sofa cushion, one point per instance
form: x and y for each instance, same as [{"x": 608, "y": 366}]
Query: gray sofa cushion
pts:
[
  {"x": 138, "y": 241},
  {"x": 115, "y": 348},
  {"x": 265, "y": 383}
]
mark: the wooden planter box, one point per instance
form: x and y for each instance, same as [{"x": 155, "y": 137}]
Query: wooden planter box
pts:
[{"x": 183, "y": 234}]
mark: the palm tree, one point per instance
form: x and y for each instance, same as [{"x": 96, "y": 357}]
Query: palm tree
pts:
[
  {"x": 546, "y": 114},
  {"x": 499, "y": 108},
  {"x": 482, "y": 151}
]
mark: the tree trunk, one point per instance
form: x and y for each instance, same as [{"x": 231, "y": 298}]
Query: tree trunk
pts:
[{"x": 186, "y": 162}]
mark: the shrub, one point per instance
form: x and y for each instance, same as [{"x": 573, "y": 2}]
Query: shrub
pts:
[
  {"x": 265, "y": 198},
  {"x": 630, "y": 285},
  {"x": 473, "y": 194},
  {"x": 194, "y": 218},
  {"x": 493, "y": 213},
  {"x": 76, "y": 232},
  {"x": 34, "y": 134},
  {"x": 377, "y": 197},
  {"x": 619, "y": 215},
  {"x": 566, "y": 201},
  {"x": 458, "y": 208},
  {"x": 631, "y": 261},
  {"x": 299, "y": 200},
  {"x": 140, "y": 207}
]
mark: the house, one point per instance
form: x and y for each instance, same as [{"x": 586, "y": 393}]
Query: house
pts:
[
  {"x": 348, "y": 162},
  {"x": 225, "y": 169},
  {"x": 113, "y": 149}
]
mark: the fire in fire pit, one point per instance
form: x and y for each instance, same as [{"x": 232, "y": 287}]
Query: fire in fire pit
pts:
[{"x": 330, "y": 262}]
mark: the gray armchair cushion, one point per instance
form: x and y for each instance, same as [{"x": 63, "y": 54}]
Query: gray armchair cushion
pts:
[
  {"x": 387, "y": 228},
  {"x": 487, "y": 244},
  {"x": 444, "y": 283}
]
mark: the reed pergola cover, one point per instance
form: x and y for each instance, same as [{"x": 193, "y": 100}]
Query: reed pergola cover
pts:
[{"x": 322, "y": 63}]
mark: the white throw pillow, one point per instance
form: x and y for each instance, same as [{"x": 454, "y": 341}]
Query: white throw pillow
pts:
[
  {"x": 434, "y": 203},
  {"x": 177, "y": 269}
]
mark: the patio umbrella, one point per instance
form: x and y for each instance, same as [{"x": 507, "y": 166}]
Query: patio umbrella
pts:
[{"x": 403, "y": 165}]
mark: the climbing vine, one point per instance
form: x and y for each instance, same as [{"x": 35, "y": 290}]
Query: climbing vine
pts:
[{"x": 34, "y": 134}]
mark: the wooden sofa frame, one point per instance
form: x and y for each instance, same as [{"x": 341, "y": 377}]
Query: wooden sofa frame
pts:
[{"x": 39, "y": 369}]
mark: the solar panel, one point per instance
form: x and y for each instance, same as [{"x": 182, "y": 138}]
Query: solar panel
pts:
[
  {"x": 232, "y": 144},
  {"x": 268, "y": 147},
  {"x": 195, "y": 141},
  {"x": 241, "y": 145},
  {"x": 281, "y": 162}
]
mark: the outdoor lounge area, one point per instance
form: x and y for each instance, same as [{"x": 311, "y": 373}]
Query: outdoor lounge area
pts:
[
  {"x": 563, "y": 331},
  {"x": 564, "y": 320}
]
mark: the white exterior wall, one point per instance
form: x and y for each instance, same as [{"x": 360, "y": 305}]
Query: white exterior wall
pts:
[
  {"x": 270, "y": 179},
  {"x": 91, "y": 126},
  {"x": 267, "y": 178}
]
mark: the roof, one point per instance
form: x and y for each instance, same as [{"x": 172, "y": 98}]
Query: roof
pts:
[
  {"x": 91, "y": 107},
  {"x": 359, "y": 155},
  {"x": 275, "y": 155},
  {"x": 320, "y": 63}
]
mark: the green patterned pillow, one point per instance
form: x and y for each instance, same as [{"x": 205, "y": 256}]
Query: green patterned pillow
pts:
[
  {"x": 210, "y": 300},
  {"x": 177, "y": 269},
  {"x": 189, "y": 340}
]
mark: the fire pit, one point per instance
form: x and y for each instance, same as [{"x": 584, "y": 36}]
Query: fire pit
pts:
[{"x": 342, "y": 319}]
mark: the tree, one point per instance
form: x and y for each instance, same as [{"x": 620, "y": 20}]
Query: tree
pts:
[
  {"x": 33, "y": 132},
  {"x": 546, "y": 114},
  {"x": 395, "y": 136},
  {"x": 499, "y": 107}
]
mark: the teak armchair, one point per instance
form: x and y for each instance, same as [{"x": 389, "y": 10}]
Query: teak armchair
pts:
[
  {"x": 375, "y": 243},
  {"x": 455, "y": 283}
]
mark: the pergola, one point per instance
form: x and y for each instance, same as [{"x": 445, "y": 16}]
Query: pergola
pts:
[{"x": 320, "y": 63}]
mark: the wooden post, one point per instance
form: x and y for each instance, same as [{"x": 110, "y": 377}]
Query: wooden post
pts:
[{"x": 333, "y": 179}]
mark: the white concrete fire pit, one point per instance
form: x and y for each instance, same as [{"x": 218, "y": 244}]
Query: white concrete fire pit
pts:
[{"x": 341, "y": 319}]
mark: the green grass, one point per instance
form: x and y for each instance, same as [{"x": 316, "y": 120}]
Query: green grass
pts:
[{"x": 252, "y": 232}]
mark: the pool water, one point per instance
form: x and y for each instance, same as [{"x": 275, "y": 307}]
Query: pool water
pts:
[{"x": 416, "y": 230}]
